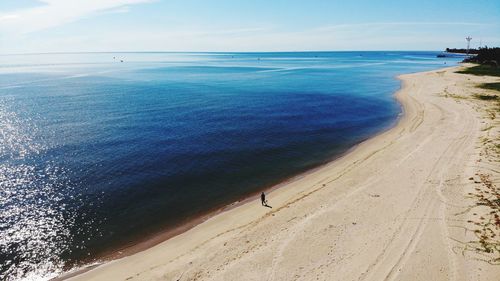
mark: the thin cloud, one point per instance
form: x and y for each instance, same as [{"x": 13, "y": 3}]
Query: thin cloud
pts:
[
  {"x": 8, "y": 17},
  {"x": 392, "y": 24},
  {"x": 59, "y": 12}
]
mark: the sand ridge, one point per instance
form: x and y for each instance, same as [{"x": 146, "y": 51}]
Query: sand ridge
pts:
[{"x": 397, "y": 207}]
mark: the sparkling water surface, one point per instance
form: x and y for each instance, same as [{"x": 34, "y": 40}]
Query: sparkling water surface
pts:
[{"x": 96, "y": 153}]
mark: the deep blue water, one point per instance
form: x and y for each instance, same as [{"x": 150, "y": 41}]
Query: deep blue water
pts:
[{"x": 95, "y": 153}]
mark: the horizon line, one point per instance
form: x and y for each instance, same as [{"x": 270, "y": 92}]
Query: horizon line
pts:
[{"x": 209, "y": 52}]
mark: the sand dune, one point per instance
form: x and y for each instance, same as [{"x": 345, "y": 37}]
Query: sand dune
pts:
[{"x": 395, "y": 208}]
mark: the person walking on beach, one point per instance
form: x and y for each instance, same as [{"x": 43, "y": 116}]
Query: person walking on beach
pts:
[{"x": 263, "y": 199}]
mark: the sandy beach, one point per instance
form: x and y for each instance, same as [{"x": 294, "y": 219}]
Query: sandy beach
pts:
[{"x": 408, "y": 204}]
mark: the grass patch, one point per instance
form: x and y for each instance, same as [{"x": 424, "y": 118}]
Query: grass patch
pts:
[
  {"x": 481, "y": 70},
  {"x": 486, "y": 97},
  {"x": 490, "y": 86},
  {"x": 457, "y": 97}
]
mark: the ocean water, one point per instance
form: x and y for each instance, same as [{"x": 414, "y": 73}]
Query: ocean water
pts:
[{"x": 96, "y": 153}]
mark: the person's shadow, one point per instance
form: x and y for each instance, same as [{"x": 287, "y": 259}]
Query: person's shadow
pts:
[{"x": 266, "y": 205}]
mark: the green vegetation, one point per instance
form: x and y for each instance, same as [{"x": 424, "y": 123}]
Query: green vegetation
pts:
[
  {"x": 482, "y": 70},
  {"x": 461, "y": 51},
  {"x": 491, "y": 86},
  {"x": 486, "y": 97},
  {"x": 486, "y": 55}
]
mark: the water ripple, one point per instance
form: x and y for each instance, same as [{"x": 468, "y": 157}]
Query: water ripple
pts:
[{"x": 34, "y": 222}]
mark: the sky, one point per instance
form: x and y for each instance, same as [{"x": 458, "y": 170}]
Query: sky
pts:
[{"x": 34, "y": 26}]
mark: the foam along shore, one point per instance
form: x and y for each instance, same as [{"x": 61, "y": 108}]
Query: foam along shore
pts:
[{"x": 397, "y": 207}]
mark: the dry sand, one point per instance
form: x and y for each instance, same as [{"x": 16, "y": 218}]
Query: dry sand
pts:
[{"x": 395, "y": 208}]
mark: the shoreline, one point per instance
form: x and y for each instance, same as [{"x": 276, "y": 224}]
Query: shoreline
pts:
[
  {"x": 169, "y": 233},
  {"x": 164, "y": 236},
  {"x": 222, "y": 222}
]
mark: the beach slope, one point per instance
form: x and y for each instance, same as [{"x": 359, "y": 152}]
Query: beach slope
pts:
[{"x": 400, "y": 206}]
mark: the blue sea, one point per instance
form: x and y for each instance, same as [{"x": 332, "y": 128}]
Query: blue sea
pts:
[{"x": 99, "y": 150}]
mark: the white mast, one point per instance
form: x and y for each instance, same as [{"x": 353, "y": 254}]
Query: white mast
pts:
[{"x": 468, "y": 43}]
